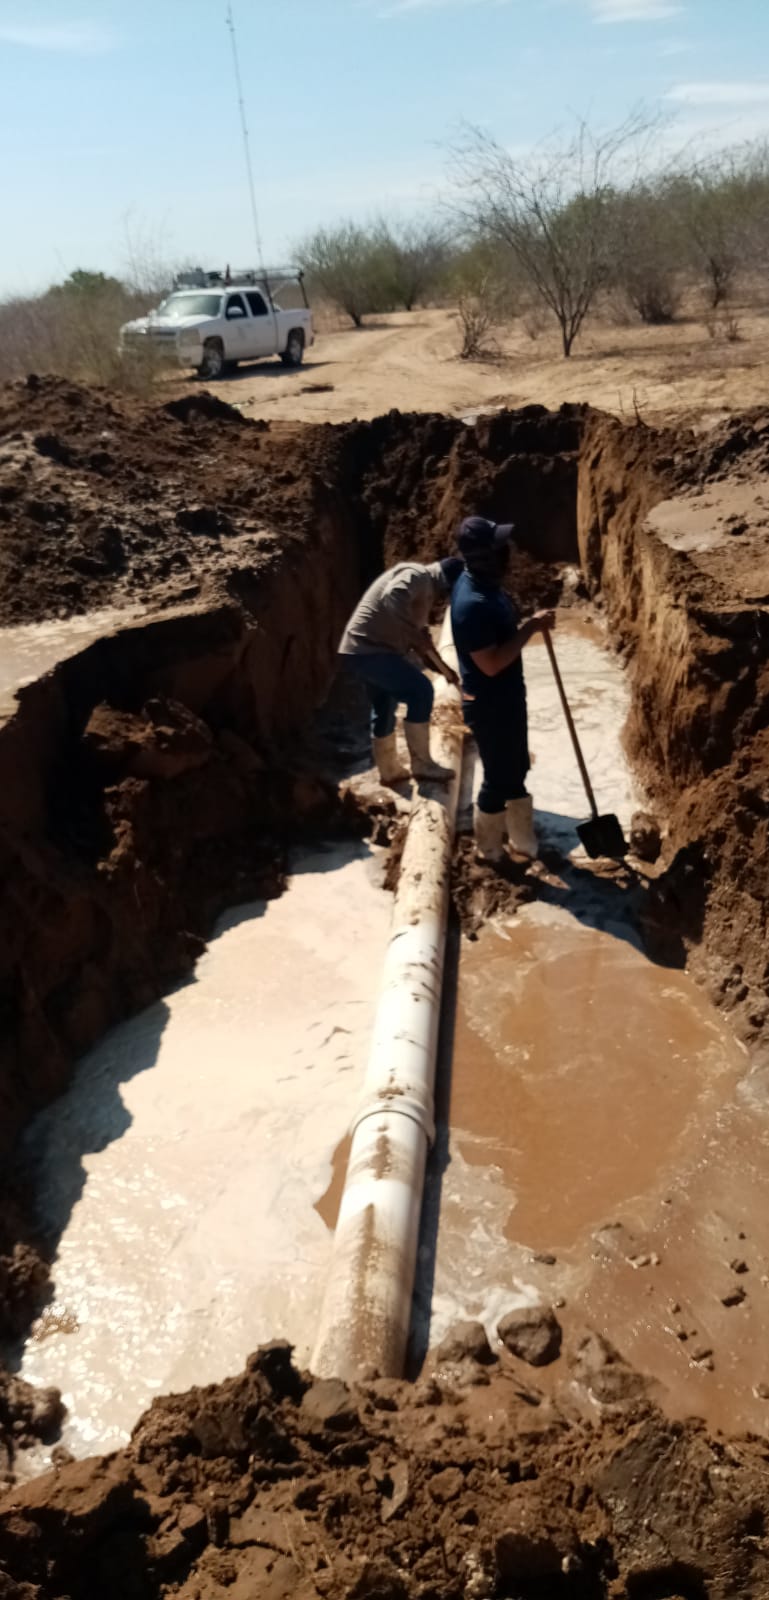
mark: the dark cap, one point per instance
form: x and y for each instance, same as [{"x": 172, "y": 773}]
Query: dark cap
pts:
[{"x": 477, "y": 535}]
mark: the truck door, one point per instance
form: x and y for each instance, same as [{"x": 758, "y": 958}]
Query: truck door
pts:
[
  {"x": 263, "y": 328},
  {"x": 237, "y": 329}
]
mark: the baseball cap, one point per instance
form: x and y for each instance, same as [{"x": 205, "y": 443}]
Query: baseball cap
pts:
[{"x": 477, "y": 534}]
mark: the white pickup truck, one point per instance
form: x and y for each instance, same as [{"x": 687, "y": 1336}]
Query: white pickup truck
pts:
[{"x": 212, "y": 329}]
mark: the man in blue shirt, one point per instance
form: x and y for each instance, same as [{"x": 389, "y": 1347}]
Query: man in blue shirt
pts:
[{"x": 489, "y": 638}]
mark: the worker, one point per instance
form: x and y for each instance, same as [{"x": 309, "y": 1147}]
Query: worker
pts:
[
  {"x": 387, "y": 646},
  {"x": 489, "y": 638}
]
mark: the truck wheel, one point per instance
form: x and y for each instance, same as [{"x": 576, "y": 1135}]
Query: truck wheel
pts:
[
  {"x": 294, "y": 351},
  {"x": 212, "y": 365}
]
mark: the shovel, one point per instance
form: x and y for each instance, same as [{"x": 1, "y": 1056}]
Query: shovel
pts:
[{"x": 601, "y": 836}]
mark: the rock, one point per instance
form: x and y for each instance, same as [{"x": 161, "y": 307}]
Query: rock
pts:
[
  {"x": 328, "y": 1403},
  {"x": 465, "y": 1340},
  {"x": 47, "y": 1412},
  {"x": 601, "y": 1371},
  {"x": 734, "y": 1297},
  {"x": 395, "y": 1490},
  {"x": 761, "y": 1391},
  {"x": 166, "y": 740},
  {"x": 447, "y": 1485},
  {"x": 273, "y": 1361},
  {"x": 533, "y": 1333},
  {"x": 738, "y": 1265},
  {"x": 645, "y": 836},
  {"x": 380, "y": 1580},
  {"x": 524, "y": 1557},
  {"x": 546, "y": 1258}
]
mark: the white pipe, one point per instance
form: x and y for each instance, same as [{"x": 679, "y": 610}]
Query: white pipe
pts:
[{"x": 367, "y": 1304}]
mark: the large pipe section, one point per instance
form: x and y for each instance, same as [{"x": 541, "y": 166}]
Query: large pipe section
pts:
[{"x": 367, "y": 1304}]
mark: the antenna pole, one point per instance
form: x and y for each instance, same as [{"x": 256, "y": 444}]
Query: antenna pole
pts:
[{"x": 246, "y": 145}]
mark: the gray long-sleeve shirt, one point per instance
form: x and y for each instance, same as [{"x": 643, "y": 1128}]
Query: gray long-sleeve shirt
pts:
[{"x": 394, "y": 610}]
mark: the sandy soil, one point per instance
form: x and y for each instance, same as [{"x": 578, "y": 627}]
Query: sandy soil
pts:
[{"x": 409, "y": 361}]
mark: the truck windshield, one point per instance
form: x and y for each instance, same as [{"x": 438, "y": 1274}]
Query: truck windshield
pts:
[{"x": 191, "y": 305}]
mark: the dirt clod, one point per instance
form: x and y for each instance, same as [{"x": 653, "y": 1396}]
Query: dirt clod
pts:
[
  {"x": 465, "y": 1340},
  {"x": 533, "y": 1333},
  {"x": 645, "y": 837}
]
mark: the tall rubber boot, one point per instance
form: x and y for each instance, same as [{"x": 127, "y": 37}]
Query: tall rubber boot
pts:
[
  {"x": 422, "y": 764},
  {"x": 520, "y": 826},
  {"x": 489, "y": 828},
  {"x": 387, "y": 761}
]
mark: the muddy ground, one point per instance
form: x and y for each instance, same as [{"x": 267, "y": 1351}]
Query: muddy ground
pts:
[{"x": 155, "y": 777}]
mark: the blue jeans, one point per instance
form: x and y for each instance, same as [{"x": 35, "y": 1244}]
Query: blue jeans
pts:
[
  {"x": 391, "y": 680},
  {"x": 500, "y": 730}
]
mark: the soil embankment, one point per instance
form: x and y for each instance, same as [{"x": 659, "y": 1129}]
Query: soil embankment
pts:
[{"x": 684, "y": 578}]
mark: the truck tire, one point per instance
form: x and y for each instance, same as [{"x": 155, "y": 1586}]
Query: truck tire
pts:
[
  {"x": 294, "y": 351},
  {"x": 212, "y": 365}
]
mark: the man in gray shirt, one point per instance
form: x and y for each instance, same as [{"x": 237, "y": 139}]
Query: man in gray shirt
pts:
[{"x": 387, "y": 645}]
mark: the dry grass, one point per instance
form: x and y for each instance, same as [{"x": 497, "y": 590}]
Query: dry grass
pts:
[{"x": 76, "y": 336}]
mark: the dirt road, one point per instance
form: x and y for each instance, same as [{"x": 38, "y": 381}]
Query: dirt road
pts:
[{"x": 409, "y": 361}]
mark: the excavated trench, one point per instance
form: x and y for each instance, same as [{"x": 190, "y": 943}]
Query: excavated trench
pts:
[{"x": 169, "y": 764}]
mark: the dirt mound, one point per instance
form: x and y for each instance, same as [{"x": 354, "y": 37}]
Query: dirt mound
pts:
[
  {"x": 469, "y": 1483},
  {"x": 737, "y": 448},
  {"x": 106, "y": 502},
  {"x": 205, "y": 407}
]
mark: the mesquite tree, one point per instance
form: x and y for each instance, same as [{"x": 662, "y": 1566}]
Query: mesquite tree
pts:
[{"x": 550, "y": 209}]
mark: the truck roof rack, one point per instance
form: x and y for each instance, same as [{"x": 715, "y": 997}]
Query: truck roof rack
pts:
[{"x": 269, "y": 278}]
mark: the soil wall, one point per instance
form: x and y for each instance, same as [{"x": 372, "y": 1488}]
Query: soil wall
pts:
[{"x": 699, "y": 663}]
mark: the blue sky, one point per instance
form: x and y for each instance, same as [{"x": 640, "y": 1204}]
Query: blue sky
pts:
[{"x": 119, "y": 121}]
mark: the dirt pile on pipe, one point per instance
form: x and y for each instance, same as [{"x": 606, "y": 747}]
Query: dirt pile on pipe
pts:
[{"x": 469, "y": 1483}]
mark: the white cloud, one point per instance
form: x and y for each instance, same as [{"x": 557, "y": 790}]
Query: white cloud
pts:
[
  {"x": 81, "y": 38},
  {"x": 634, "y": 10},
  {"x": 743, "y": 93}
]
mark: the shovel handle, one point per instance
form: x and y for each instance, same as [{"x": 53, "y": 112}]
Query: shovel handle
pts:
[{"x": 570, "y": 723}]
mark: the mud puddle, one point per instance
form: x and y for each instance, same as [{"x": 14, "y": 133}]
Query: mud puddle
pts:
[
  {"x": 182, "y": 1167},
  {"x": 605, "y": 1142}
]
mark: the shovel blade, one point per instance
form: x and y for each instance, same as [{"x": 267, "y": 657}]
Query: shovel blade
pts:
[{"x": 603, "y": 836}]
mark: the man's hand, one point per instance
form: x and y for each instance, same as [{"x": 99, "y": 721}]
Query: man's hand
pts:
[
  {"x": 542, "y": 621},
  {"x": 451, "y": 676}
]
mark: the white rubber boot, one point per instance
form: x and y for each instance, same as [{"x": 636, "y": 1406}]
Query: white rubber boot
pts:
[
  {"x": 489, "y": 828},
  {"x": 520, "y": 826},
  {"x": 387, "y": 761},
  {"x": 422, "y": 764}
]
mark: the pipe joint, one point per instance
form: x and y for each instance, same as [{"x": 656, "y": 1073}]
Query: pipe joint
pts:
[{"x": 398, "y": 1104}]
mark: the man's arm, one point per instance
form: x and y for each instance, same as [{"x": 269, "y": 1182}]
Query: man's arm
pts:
[
  {"x": 496, "y": 657},
  {"x": 427, "y": 652}
]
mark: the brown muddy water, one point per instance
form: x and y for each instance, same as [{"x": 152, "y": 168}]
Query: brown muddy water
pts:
[{"x": 607, "y": 1138}]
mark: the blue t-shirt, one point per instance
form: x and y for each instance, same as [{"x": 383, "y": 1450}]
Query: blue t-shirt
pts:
[{"x": 482, "y": 616}]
